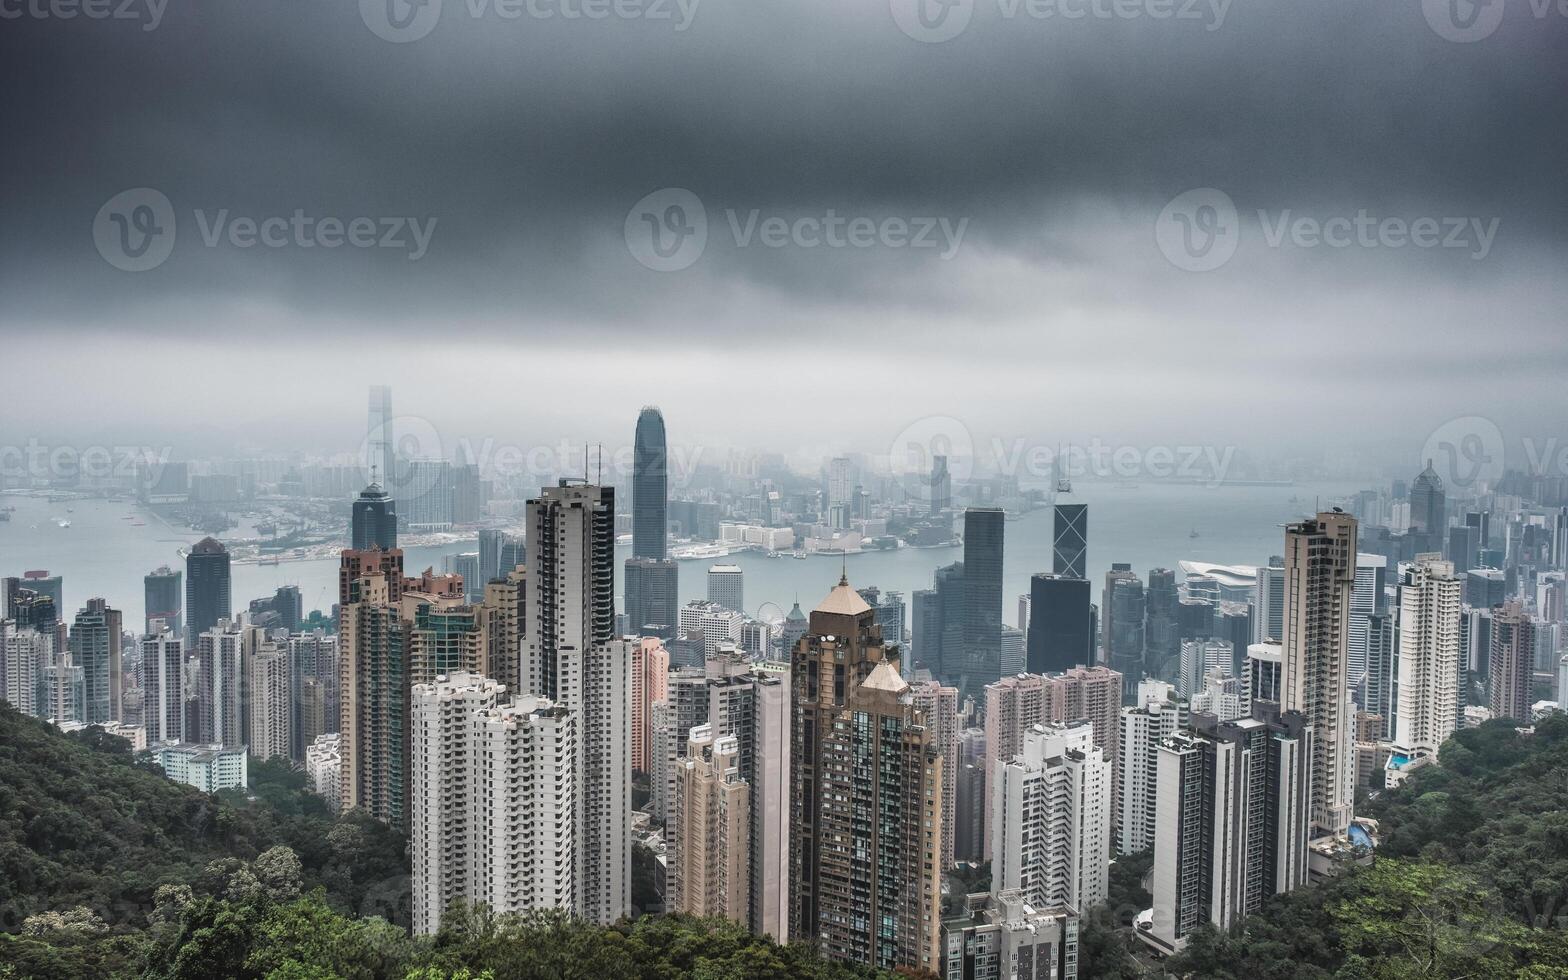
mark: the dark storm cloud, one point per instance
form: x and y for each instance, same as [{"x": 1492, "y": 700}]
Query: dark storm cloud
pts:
[{"x": 528, "y": 140}]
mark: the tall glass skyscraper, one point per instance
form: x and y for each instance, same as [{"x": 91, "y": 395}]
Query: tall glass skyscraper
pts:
[
  {"x": 163, "y": 589},
  {"x": 1070, "y": 545},
  {"x": 650, "y": 486},
  {"x": 374, "y": 520},
  {"x": 982, "y": 661},
  {"x": 207, "y": 590}
]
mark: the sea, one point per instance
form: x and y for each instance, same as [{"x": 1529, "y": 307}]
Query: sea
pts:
[{"x": 104, "y": 553}]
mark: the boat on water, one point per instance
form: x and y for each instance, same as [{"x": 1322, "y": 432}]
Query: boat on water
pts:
[
  {"x": 63, "y": 523},
  {"x": 1193, "y": 533},
  {"x": 799, "y": 556}
]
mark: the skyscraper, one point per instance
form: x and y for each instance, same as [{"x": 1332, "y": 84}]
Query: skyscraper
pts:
[
  {"x": 1320, "y": 556},
  {"x": 652, "y": 596},
  {"x": 207, "y": 591},
  {"x": 1428, "y": 512},
  {"x": 1122, "y": 610},
  {"x": 269, "y": 732},
  {"x": 726, "y": 586},
  {"x": 650, "y": 684},
  {"x": 1070, "y": 541},
  {"x": 650, "y": 487},
  {"x": 712, "y": 824},
  {"x": 1060, "y": 634},
  {"x": 373, "y": 688},
  {"x": 1052, "y": 819},
  {"x": 163, "y": 677},
  {"x": 865, "y": 797},
  {"x": 941, "y": 485},
  {"x": 1163, "y": 629},
  {"x": 939, "y": 706},
  {"x": 984, "y": 528},
  {"x": 95, "y": 647},
  {"x": 373, "y": 520},
  {"x": 1156, "y": 716},
  {"x": 220, "y": 676},
  {"x": 572, "y": 658},
  {"x": 163, "y": 589},
  {"x": 1512, "y": 662},
  {"x": 1428, "y": 671}
]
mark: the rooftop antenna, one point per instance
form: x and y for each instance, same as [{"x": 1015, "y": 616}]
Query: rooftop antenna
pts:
[
  {"x": 585, "y": 462},
  {"x": 598, "y": 476}
]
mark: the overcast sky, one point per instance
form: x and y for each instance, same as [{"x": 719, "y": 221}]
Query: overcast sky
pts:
[{"x": 1031, "y": 153}]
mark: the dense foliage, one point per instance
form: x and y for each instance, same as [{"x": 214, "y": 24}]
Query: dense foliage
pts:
[
  {"x": 83, "y": 825},
  {"x": 1471, "y": 880}
]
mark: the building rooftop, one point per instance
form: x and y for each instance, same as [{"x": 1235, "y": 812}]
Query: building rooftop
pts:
[{"x": 843, "y": 601}]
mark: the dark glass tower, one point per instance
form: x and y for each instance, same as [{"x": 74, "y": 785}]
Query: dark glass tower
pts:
[
  {"x": 163, "y": 590},
  {"x": 208, "y": 597},
  {"x": 650, "y": 486},
  {"x": 1428, "y": 507},
  {"x": 1162, "y": 628},
  {"x": 651, "y": 599},
  {"x": 1070, "y": 546},
  {"x": 982, "y": 661},
  {"x": 374, "y": 520},
  {"x": 1061, "y": 625}
]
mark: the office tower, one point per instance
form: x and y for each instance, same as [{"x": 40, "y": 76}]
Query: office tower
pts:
[
  {"x": 1023, "y": 612},
  {"x": 1512, "y": 662},
  {"x": 95, "y": 647},
  {"x": 650, "y": 488},
  {"x": 27, "y": 590},
  {"x": 795, "y": 627},
  {"x": 163, "y": 684},
  {"x": 725, "y": 587},
  {"x": 1366, "y": 600},
  {"x": 1051, "y": 811},
  {"x": 163, "y": 589},
  {"x": 1231, "y": 820},
  {"x": 1559, "y": 539},
  {"x": 207, "y": 592},
  {"x": 467, "y": 493},
  {"x": 324, "y": 767},
  {"x": 1319, "y": 574},
  {"x": 1428, "y": 672},
  {"x": 25, "y": 652},
  {"x": 652, "y": 596},
  {"x": 422, "y": 495},
  {"x": 941, "y": 485},
  {"x": 1163, "y": 625},
  {"x": 372, "y": 692},
  {"x": 1060, "y": 631},
  {"x": 1122, "y": 607},
  {"x": 1070, "y": 541},
  {"x": 1268, "y": 620},
  {"x": 1007, "y": 937},
  {"x": 220, "y": 702},
  {"x": 980, "y": 659},
  {"x": 373, "y": 521},
  {"x": 1233, "y": 625},
  {"x": 840, "y": 483},
  {"x": 381, "y": 440},
  {"x": 715, "y": 624},
  {"x": 1155, "y": 717},
  {"x": 865, "y": 797},
  {"x": 1461, "y": 547},
  {"x": 1485, "y": 588},
  {"x": 270, "y": 731},
  {"x": 712, "y": 826},
  {"x": 1013, "y": 658},
  {"x": 282, "y": 610},
  {"x": 492, "y": 801},
  {"x": 491, "y": 542},
  {"x": 1428, "y": 515},
  {"x": 571, "y": 658},
  {"x": 28, "y": 608},
  {"x": 650, "y": 683},
  {"x": 939, "y": 706}
]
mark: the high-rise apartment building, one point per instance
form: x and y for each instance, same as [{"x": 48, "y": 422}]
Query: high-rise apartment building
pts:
[
  {"x": 324, "y": 767},
  {"x": 650, "y": 684},
  {"x": 26, "y": 651},
  {"x": 1268, "y": 618},
  {"x": 493, "y": 805},
  {"x": 1156, "y": 716},
  {"x": 1231, "y": 820},
  {"x": 1429, "y": 657},
  {"x": 711, "y": 830},
  {"x": 865, "y": 797},
  {"x": 1320, "y": 559},
  {"x": 163, "y": 685},
  {"x": 220, "y": 679},
  {"x": 572, "y": 658},
  {"x": 95, "y": 647},
  {"x": 270, "y": 730},
  {"x": 938, "y": 704},
  {"x": 373, "y": 690},
  {"x": 207, "y": 590},
  {"x": 1512, "y": 662},
  {"x": 1051, "y": 812}
]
